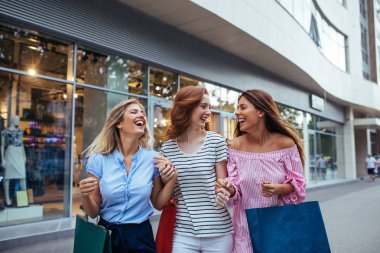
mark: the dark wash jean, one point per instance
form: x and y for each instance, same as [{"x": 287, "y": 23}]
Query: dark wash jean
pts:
[{"x": 131, "y": 238}]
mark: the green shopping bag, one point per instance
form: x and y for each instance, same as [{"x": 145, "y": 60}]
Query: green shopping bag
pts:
[{"x": 91, "y": 238}]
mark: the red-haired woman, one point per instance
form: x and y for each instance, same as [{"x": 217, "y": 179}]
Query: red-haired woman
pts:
[
  {"x": 265, "y": 163},
  {"x": 199, "y": 157}
]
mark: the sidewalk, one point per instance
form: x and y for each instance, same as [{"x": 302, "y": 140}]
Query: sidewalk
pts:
[
  {"x": 350, "y": 211},
  {"x": 351, "y": 215}
]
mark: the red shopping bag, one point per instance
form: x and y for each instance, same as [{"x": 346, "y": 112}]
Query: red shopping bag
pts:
[{"x": 164, "y": 236}]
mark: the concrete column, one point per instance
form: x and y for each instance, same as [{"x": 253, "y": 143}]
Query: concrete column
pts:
[
  {"x": 306, "y": 147},
  {"x": 361, "y": 143},
  {"x": 368, "y": 137},
  {"x": 349, "y": 144}
]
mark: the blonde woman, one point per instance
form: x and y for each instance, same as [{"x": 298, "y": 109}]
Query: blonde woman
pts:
[{"x": 122, "y": 179}]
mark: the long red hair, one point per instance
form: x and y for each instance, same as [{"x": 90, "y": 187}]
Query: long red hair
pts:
[
  {"x": 184, "y": 103},
  {"x": 273, "y": 121}
]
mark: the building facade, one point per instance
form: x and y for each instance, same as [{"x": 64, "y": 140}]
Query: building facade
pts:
[{"x": 65, "y": 64}]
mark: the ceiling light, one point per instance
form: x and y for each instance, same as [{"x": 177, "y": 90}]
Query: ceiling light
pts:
[{"x": 32, "y": 72}]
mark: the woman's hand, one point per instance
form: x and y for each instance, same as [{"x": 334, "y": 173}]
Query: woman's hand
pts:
[
  {"x": 225, "y": 184},
  {"x": 269, "y": 189},
  {"x": 88, "y": 186},
  {"x": 165, "y": 167},
  {"x": 222, "y": 197}
]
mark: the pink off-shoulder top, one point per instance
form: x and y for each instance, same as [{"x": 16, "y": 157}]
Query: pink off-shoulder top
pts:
[{"x": 246, "y": 172}]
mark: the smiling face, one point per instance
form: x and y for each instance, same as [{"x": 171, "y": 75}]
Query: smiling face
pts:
[
  {"x": 247, "y": 115},
  {"x": 133, "y": 122},
  {"x": 201, "y": 113}
]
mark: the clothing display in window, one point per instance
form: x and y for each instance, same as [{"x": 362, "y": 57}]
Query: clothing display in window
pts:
[{"x": 14, "y": 157}]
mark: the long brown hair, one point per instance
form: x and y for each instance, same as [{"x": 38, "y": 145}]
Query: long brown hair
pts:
[
  {"x": 273, "y": 121},
  {"x": 184, "y": 103},
  {"x": 109, "y": 137}
]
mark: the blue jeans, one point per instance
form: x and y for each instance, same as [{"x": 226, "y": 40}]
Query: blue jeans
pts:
[{"x": 131, "y": 238}]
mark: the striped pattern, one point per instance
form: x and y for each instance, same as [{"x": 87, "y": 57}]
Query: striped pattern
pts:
[
  {"x": 197, "y": 213},
  {"x": 246, "y": 171}
]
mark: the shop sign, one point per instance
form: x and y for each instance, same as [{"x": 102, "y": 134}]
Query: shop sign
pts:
[{"x": 317, "y": 103}]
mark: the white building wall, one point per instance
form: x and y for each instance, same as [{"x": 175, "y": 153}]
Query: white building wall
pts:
[{"x": 278, "y": 30}]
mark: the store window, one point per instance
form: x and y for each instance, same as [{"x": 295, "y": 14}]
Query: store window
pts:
[
  {"x": 228, "y": 100},
  {"x": 325, "y": 149},
  {"x": 35, "y": 122},
  {"x": 161, "y": 122},
  {"x": 91, "y": 110},
  {"x": 162, "y": 83},
  {"x": 187, "y": 81},
  {"x": 29, "y": 51},
  {"x": 111, "y": 71},
  {"x": 214, "y": 91},
  {"x": 327, "y": 38}
]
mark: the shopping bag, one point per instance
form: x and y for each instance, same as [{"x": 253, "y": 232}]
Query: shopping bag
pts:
[
  {"x": 90, "y": 237},
  {"x": 165, "y": 231},
  {"x": 289, "y": 228},
  {"x": 22, "y": 198}
]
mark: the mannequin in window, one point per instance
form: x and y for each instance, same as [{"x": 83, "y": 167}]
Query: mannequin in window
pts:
[{"x": 13, "y": 156}]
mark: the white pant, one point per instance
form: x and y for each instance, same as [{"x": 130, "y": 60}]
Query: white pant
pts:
[{"x": 190, "y": 244}]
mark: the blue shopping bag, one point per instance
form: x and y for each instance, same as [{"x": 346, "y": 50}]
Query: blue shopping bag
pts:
[{"x": 289, "y": 228}]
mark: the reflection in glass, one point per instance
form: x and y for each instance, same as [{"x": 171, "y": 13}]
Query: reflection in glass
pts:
[
  {"x": 325, "y": 149},
  {"x": 162, "y": 83},
  {"x": 229, "y": 126},
  {"x": 228, "y": 100},
  {"x": 111, "y": 71},
  {"x": 44, "y": 109},
  {"x": 29, "y": 51},
  {"x": 187, "y": 81},
  {"x": 291, "y": 115},
  {"x": 329, "y": 40},
  {"x": 214, "y": 122},
  {"x": 161, "y": 122},
  {"x": 214, "y": 91},
  {"x": 91, "y": 110}
]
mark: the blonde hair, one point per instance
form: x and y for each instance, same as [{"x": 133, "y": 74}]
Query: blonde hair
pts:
[{"x": 109, "y": 137}]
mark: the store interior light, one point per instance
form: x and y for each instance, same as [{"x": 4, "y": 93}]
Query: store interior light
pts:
[
  {"x": 32, "y": 72},
  {"x": 157, "y": 88},
  {"x": 76, "y": 95},
  {"x": 64, "y": 95}
]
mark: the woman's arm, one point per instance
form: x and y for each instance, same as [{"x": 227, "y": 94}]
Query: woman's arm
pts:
[
  {"x": 90, "y": 193},
  {"x": 161, "y": 192},
  {"x": 269, "y": 189}
]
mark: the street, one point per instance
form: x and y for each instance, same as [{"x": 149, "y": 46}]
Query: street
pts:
[{"x": 350, "y": 211}]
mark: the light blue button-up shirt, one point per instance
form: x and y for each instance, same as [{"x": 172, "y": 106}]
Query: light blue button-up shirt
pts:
[{"x": 125, "y": 196}]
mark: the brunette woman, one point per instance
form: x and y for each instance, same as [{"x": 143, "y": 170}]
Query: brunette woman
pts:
[{"x": 265, "y": 163}]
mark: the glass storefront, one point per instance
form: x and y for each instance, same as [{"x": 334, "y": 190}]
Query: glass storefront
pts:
[
  {"x": 325, "y": 149},
  {"x": 62, "y": 92},
  {"x": 91, "y": 109},
  {"x": 111, "y": 71},
  {"x": 44, "y": 109}
]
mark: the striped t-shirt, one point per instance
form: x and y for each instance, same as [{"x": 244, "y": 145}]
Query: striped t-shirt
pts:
[{"x": 197, "y": 213}]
